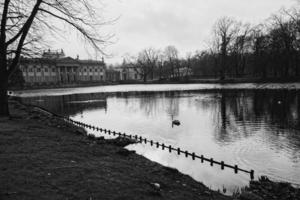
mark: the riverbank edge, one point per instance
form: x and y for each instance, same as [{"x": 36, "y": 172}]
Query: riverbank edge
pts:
[
  {"x": 160, "y": 178},
  {"x": 164, "y": 82}
]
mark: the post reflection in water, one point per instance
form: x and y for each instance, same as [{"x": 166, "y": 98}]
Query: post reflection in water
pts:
[{"x": 257, "y": 130}]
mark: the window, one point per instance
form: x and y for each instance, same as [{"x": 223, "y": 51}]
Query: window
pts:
[
  {"x": 101, "y": 70},
  {"x": 46, "y": 69},
  {"x": 38, "y": 69},
  {"x": 84, "y": 70},
  {"x": 53, "y": 69},
  {"x": 90, "y": 70}
]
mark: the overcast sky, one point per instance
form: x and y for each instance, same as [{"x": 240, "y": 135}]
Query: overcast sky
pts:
[{"x": 186, "y": 24}]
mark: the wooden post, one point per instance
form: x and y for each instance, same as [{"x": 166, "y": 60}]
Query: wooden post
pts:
[
  {"x": 211, "y": 162},
  {"x": 201, "y": 158},
  {"x": 170, "y": 148},
  {"x": 236, "y": 169},
  {"x": 252, "y": 174},
  {"x": 178, "y": 151},
  {"x": 163, "y": 146},
  {"x": 193, "y": 155},
  {"x": 222, "y": 165}
]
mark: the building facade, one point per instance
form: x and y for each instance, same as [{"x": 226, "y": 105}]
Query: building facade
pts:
[
  {"x": 123, "y": 73},
  {"x": 54, "y": 68},
  {"x": 128, "y": 73},
  {"x": 112, "y": 75}
]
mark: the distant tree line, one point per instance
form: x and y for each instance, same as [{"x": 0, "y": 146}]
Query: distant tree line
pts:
[
  {"x": 265, "y": 50},
  {"x": 156, "y": 64},
  {"x": 237, "y": 50}
]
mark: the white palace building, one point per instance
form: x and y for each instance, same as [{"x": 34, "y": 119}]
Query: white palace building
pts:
[{"x": 53, "y": 68}]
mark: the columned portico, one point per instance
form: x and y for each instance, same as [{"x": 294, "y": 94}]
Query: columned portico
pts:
[{"x": 57, "y": 69}]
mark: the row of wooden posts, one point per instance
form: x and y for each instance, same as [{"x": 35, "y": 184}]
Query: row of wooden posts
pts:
[{"x": 163, "y": 147}]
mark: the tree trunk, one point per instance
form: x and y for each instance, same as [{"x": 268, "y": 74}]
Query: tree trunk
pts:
[{"x": 4, "y": 112}]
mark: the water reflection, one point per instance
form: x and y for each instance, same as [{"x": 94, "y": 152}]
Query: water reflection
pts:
[
  {"x": 257, "y": 130},
  {"x": 69, "y": 105}
]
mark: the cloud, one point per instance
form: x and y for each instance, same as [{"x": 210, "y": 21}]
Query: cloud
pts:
[{"x": 186, "y": 24}]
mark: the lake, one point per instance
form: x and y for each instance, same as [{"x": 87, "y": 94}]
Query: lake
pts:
[{"x": 254, "y": 126}]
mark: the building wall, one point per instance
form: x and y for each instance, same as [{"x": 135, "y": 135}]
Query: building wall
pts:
[
  {"x": 39, "y": 73},
  {"x": 128, "y": 73}
]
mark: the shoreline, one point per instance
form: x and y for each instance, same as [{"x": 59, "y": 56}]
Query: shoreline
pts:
[
  {"x": 154, "y": 88},
  {"x": 46, "y": 157},
  {"x": 164, "y": 82}
]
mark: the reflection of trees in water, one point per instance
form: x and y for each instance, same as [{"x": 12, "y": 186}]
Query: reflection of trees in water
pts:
[
  {"x": 155, "y": 103},
  {"x": 172, "y": 106},
  {"x": 149, "y": 104},
  {"x": 280, "y": 108},
  {"x": 243, "y": 114},
  {"x": 69, "y": 104}
]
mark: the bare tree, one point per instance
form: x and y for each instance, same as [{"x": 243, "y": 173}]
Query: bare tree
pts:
[
  {"x": 25, "y": 23},
  {"x": 160, "y": 64},
  {"x": 294, "y": 19},
  {"x": 171, "y": 54},
  {"x": 225, "y": 32},
  {"x": 260, "y": 43},
  {"x": 241, "y": 46},
  {"x": 147, "y": 62},
  {"x": 283, "y": 34}
]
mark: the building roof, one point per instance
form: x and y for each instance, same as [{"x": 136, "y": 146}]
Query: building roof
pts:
[
  {"x": 91, "y": 62},
  {"x": 61, "y": 61}
]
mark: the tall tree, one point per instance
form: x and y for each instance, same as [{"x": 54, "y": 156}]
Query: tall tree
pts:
[
  {"x": 147, "y": 62},
  {"x": 25, "y": 23},
  {"x": 240, "y": 48},
  {"x": 225, "y": 32},
  {"x": 171, "y": 54},
  {"x": 260, "y": 48},
  {"x": 283, "y": 37}
]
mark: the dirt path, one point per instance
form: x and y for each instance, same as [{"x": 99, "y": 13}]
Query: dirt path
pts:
[{"x": 47, "y": 159}]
